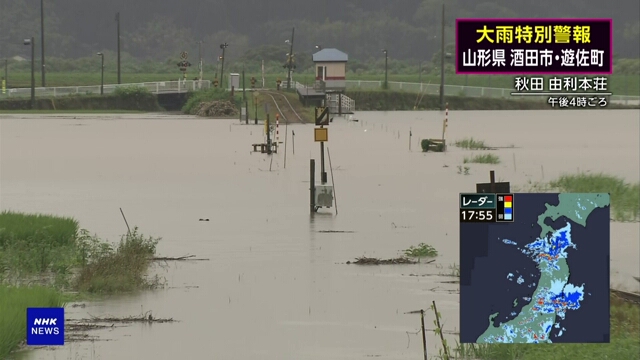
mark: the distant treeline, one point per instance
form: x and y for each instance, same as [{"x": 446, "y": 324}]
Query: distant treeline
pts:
[
  {"x": 251, "y": 61},
  {"x": 161, "y": 29}
]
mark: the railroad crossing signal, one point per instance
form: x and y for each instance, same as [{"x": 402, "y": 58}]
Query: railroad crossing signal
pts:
[
  {"x": 183, "y": 65},
  {"x": 184, "y": 55},
  {"x": 322, "y": 116},
  {"x": 290, "y": 62}
]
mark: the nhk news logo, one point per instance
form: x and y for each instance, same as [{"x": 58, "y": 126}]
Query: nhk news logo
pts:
[{"x": 45, "y": 326}]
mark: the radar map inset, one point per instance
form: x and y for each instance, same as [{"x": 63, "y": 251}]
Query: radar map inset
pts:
[{"x": 543, "y": 278}]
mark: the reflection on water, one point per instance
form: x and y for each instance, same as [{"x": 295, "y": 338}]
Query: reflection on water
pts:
[{"x": 276, "y": 287}]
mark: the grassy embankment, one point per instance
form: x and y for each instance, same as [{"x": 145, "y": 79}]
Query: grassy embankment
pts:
[
  {"x": 54, "y": 253},
  {"x": 122, "y": 99},
  {"x": 617, "y": 84}
]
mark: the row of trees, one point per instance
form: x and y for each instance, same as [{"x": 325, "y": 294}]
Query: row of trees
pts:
[
  {"x": 161, "y": 29},
  {"x": 252, "y": 60}
]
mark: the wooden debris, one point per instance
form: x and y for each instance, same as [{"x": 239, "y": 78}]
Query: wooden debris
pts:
[
  {"x": 145, "y": 318},
  {"x": 180, "y": 258},
  {"x": 373, "y": 261}
]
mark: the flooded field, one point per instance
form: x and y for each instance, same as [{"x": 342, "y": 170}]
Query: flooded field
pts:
[{"x": 276, "y": 286}]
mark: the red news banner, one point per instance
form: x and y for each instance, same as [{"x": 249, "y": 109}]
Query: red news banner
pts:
[{"x": 534, "y": 46}]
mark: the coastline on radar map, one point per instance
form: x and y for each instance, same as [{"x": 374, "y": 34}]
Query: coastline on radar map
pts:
[{"x": 543, "y": 278}]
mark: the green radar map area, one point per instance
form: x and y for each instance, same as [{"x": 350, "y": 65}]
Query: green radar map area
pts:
[{"x": 542, "y": 277}]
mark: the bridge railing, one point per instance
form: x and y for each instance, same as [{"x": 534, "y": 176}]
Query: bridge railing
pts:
[
  {"x": 157, "y": 87},
  {"x": 461, "y": 90},
  {"x": 160, "y": 87}
]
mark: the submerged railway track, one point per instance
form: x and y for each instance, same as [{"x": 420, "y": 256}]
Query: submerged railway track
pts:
[{"x": 286, "y": 110}]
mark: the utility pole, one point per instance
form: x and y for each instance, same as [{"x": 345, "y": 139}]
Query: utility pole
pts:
[
  {"x": 293, "y": 31},
  {"x": 6, "y": 71},
  {"x": 42, "y": 39},
  {"x": 223, "y": 47},
  {"x": 323, "y": 174},
  {"x": 101, "y": 72},
  {"x": 118, "y": 26},
  {"x": 442, "y": 54},
  {"x": 244, "y": 96},
  {"x": 200, "y": 55},
  {"x": 386, "y": 59},
  {"x": 268, "y": 136},
  {"x": 32, "y": 42}
]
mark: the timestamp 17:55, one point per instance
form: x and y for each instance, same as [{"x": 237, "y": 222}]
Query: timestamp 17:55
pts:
[{"x": 478, "y": 215}]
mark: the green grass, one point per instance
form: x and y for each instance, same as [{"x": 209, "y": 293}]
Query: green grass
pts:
[
  {"x": 471, "y": 144},
  {"x": 37, "y": 228},
  {"x": 54, "y": 248},
  {"x": 13, "y": 308},
  {"x": 31, "y": 244},
  {"x": 255, "y": 101},
  {"x": 256, "y": 106},
  {"x": 625, "y": 325},
  {"x": 617, "y": 84},
  {"x": 482, "y": 159},
  {"x": 115, "y": 270},
  {"x": 625, "y": 197},
  {"x": 422, "y": 250},
  {"x": 213, "y": 94},
  {"x": 33, "y": 247}
]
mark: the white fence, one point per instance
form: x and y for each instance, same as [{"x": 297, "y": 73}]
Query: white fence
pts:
[
  {"x": 190, "y": 85},
  {"x": 460, "y": 90},
  {"x": 158, "y": 87},
  {"x": 343, "y": 103}
]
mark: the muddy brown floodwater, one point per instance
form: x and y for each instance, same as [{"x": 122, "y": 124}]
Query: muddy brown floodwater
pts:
[{"x": 275, "y": 286}]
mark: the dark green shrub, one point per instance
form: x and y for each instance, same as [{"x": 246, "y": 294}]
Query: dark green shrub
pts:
[
  {"x": 425, "y": 145},
  {"x": 214, "y": 94}
]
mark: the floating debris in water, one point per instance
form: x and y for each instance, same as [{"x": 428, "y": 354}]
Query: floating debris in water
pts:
[
  {"x": 373, "y": 261},
  {"x": 144, "y": 318},
  {"x": 186, "y": 257}
]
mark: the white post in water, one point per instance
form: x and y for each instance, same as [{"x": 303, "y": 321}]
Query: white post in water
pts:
[
  {"x": 445, "y": 124},
  {"x": 277, "y": 128}
]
